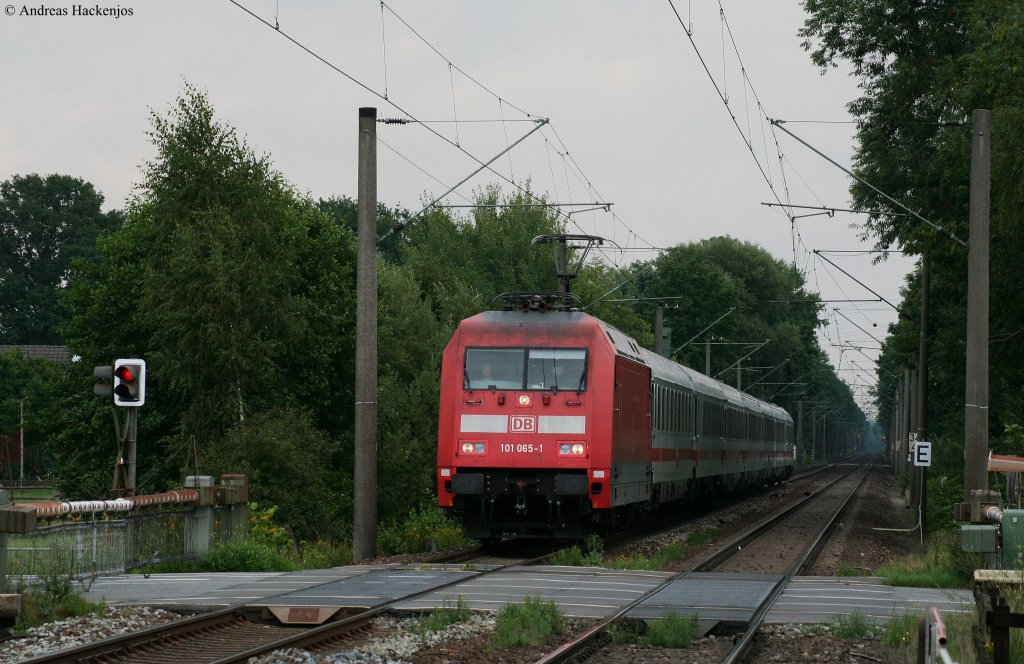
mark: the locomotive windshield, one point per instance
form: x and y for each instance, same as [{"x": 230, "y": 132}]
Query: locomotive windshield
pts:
[{"x": 557, "y": 369}]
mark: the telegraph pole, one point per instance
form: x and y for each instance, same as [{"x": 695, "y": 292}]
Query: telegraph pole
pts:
[
  {"x": 21, "y": 439},
  {"x": 922, "y": 380},
  {"x": 364, "y": 527},
  {"x": 976, "y": 398}
]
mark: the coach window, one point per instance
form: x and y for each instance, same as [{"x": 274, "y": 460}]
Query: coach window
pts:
[
  {"x": 559, "y": 369},
  {"x": 494, "y": 368}
]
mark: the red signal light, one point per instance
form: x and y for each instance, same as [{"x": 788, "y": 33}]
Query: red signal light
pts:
[{"x": 129, "y": 382}]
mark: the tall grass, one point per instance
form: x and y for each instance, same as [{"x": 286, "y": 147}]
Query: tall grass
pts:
[
  {"x": 246, "y": 556},
  {"x": 423, "y": 529},
  {"x": 942, "y": 565},
  {"x": 667, "y": 554},
  {"x": 900, "y": 636},
  {"x": 855, "y": 626},
  {"x": 527, "y": 624},
  {"x": 54, "y": 597},
  {"x": 574, "y": 556},
  {"x": 672, "y": 631},
  {"x": 447, "y": 615}
]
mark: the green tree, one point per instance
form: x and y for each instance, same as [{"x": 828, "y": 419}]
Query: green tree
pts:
[
  {"x": 242, "y": 289},
  {"x": 477, "y": 257},
  {"x": 45, "y": 223},
  {"x": 701, "y": 282},
  {"x": 237, "y": 291},
  {"x": 923, "y": 67},
  {"x": 30, "y": 396},
  {"x": 283, "y": 452}
]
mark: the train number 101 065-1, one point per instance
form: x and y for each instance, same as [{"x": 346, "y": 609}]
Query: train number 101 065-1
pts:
[{"x": 526, "y": 448}]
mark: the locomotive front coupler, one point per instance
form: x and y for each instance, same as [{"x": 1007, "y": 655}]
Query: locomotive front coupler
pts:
[{"x": 520, "y": 503}]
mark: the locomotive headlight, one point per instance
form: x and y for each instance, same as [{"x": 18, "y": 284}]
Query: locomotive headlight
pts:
[
  {"x": 572, "y": 448},
  {"x": 473, "y": 447},
  {"x": 479, "y": 448},
  {"x": 467, "y": 448}
]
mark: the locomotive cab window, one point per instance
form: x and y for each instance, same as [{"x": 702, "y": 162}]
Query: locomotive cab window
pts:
[
  {"x": 494, "y": 368},
  {"x": 557, "y": 369}
]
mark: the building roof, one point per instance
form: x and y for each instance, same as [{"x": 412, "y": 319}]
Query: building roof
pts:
[{"x": 58, "y": 354}]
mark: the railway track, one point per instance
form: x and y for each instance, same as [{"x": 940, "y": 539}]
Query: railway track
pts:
[
  {"x": 235, "y": 635},
  {"x": 824, "y": 507}
]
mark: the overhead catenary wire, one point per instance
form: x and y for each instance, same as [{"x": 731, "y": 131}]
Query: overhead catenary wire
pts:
[
  {"x": 941, "y": 230},
  {"x": 382, "y": 97},
  {"x": 502, "y": 102}
]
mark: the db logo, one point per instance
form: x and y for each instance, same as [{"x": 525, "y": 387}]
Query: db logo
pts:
[{"x": 522, "y": 424}]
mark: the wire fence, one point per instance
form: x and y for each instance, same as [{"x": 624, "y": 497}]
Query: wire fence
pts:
[{"x": 98, "y": 546}]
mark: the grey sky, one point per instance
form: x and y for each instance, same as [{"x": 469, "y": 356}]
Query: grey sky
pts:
[{"x": 623, "y": 87}]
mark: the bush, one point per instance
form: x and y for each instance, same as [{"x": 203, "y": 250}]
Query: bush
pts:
[
  {"x": 287, "y": 458},
  {"x": 425, "y": 528},
  {"x": 52, "y": 601},
  {"x": 321, "y": 555},
  {"x": 527, "y": 624},
  {"x": 263, "y": 530},
  {"x": 246, "y": 556},
  {"x": 672, "y": 631}
]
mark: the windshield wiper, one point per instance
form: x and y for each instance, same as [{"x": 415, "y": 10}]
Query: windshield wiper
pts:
[{"x": 583, "y": 379}]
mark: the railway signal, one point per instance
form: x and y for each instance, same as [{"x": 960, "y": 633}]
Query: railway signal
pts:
[
  {"x": 104, "y": 386},
  {"x": 129, "y": 382}
]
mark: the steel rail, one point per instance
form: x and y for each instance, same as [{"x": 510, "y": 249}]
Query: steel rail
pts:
[
  {"x": 586, "y": 638},
  {"x": 181, "y": 629},
  {"x": 742, "y": 645},
  {"x": 134, "y": 640},
  {"x": 331, "y": 630}
]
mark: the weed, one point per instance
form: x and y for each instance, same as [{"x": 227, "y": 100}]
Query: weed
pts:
[
  {"x": 321, "y": 554},
  {"x": 446, "y": 615},
  {"x": 528, "y": 623},
  {"x": 624, "y": 633},
  {"x": 672, "y": 631},
  {"x": 943, "y": 565},
  {"x": 854, "y": 626},
  {"x": 673, "y": 551},
  {"x": 699, "y": 537},
  {"x": 262, "y": 528},
  {"x": 246, "y": 556},
  {"x": 901, "y": 631},
  {"x": 423, "y": 529},
  {"x": 572, "y": 557},
  {"x": 49, "y": 602}
]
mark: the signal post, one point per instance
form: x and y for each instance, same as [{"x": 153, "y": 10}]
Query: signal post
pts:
[{"x": 127, "y": 389}]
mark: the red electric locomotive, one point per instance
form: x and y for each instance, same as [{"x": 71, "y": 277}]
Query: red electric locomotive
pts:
[{"x": 553, "y": 423}]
